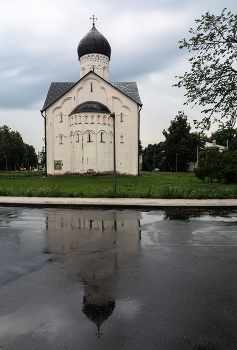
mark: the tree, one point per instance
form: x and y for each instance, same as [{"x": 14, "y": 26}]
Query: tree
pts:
[
  {"x": 152, "y": 155},
  {"x": 215, "y": 165},
  {"x": 180, "y": 146},
  {"x": 225, "y": 137},
  {"x": 30, "y": 159},
  {"x": 212, "y": 82},
  {"x": 14, "y": 153}
]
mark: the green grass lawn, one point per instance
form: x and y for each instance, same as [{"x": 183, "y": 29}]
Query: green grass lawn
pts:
[{"x": 147, "y": 185}]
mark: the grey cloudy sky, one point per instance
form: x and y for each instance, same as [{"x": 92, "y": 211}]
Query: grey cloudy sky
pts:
[{"x": 39, "y": 39}]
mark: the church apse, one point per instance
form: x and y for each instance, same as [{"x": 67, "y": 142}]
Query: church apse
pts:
[{"x": 94, "y": 246}]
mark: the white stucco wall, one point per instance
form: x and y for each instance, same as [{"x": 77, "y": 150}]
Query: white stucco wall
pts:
[
  {"x": 96, "y": 63},
  {"x": 80, "y": 156}
]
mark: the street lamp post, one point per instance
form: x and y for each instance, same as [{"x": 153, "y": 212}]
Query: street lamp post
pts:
[
  {"x": 112, "y": 115},
  {"x": 6, "y": 162},
  {"x": 177, "y": 162}
]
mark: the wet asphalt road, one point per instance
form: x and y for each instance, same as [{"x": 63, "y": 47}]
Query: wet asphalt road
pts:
[{"x": 120, "y": 280}]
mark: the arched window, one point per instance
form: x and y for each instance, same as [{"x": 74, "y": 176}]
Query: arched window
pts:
[
  {"x": 98, "y": 118},
  {"x": 89, "y": 139},
  {"x": 121, "y": 117},
  {"x": 102, "y": 137},
  {"x": 86, "y": 119},
  {"x": 121, "y": 139},
  {"x": 77, "y": 137},
  {"x": 60, "y": 139},
  {"x": 92, "y": 83},
  {"x": 104, "y": 120},
  {"x": 79, "y": 119},
  {"x": 92, "y": 119},
  {"x": 61, "y": 118}
]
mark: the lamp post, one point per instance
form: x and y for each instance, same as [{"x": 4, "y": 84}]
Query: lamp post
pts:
[
  {"x": 6, "y": 162},
  {"x": 177, "y": 162},
  {"x": 112, "y": 115}
]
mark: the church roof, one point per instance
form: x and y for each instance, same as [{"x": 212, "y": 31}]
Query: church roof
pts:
[
  {"x": 57, "y": 90},
  {"x": 91, "y": 106},
  {"x": 94, "y": 42}
]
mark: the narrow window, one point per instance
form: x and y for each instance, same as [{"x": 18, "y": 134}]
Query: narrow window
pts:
[
  {"x": 121, "y": 117},
  {"x": 104, "y": 120},
  {"x": 92, "y": 83},
  {"x": 86, "y": 119},
  {"x": 60, "y": 139},
  {"x": 89, "y": 138},
  {"x": 101, "y": 137},
  {"x": 71, "y": 136},
  {"x": 121, "y": 139},
  {"x": 61, "y": 118},
  {"x": 98, "y": 119},
  {"x": 92, "y": 119},
  {"x": 77, "y": 138},
  {"x": 79, "y": 119}
]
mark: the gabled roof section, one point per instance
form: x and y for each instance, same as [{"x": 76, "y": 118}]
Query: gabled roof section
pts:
[
  {"x": 57, "y": 90},
  {"x": 129, "y": 89}
]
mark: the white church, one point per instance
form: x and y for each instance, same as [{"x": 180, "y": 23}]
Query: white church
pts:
[{"x": 79, "y": 116}]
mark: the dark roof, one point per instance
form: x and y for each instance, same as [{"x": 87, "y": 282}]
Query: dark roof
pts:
[
  {"x": 94, "y": 42},
  {"x": 57, "y": 90},
  {"x": 91, "y": 106},
  {"x": 129, "y": 89}
]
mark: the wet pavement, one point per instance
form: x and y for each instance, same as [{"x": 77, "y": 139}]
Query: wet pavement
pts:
[{"x": 118, "y": 279}]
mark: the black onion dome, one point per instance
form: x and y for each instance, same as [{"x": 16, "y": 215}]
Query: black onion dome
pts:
[
  {"x": 94, "y": 42},
  {"x": 90, "y": 106}
]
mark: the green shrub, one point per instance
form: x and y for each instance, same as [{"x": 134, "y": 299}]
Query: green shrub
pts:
[{"x": 215, "y": 165}]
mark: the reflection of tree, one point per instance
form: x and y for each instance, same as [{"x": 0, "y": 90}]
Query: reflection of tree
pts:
[
  {"x": 183, "y": 215},
  {"x": 94, "y": 245}
]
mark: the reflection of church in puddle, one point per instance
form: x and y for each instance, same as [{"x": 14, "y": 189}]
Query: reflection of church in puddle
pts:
[{"x": 94, "y": 245}]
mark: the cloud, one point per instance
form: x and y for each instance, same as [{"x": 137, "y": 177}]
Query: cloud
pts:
[{"x": 39, "y": 41}]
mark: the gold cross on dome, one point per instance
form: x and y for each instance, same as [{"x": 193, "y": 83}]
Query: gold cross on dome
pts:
[{"x": 93, "y": 18}]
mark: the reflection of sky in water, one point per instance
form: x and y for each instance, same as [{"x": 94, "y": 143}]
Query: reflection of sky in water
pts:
[{"x": 196, "y": 228}]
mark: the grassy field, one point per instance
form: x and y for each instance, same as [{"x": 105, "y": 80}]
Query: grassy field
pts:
[{"x": 147, "y": 185}]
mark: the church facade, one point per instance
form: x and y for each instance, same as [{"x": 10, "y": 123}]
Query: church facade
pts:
[{"x": 79, "y": 116}]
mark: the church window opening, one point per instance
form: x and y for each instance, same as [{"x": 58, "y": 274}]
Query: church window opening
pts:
[
  {"x": 121, "y": 139},
  {"x": 121, "y": 117},
  {"x": 79, "y": 119},
  {"x": 61, "y": 118},
  {"x": 102, "y": 137},
  {"x": 75, "y": 119},
  {"x": 98, "y": 119},
  {"x": 71, "y": 135},
  {"x": 77, "y": 138},
  {"x": 60, "y": 139},
  {"x": 92, "y": 119},
  {"x": 104, "y": 120},
  {"x": 86, "y": 117},
  {"x": 92, "y": 83},
  {"x": 89, "y": 138}
]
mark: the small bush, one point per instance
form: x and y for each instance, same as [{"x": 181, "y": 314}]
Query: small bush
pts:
[{"x": 220, "y": 166}]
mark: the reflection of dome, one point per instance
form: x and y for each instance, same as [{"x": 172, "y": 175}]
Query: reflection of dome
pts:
[
  {"x": 94, "y": 42},
  {"x": 91, "y": 106},
  {"x": 98, "y": 313}
]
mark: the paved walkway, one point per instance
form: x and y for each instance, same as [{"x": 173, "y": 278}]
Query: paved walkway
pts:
[{"x": 118, "y": 202}]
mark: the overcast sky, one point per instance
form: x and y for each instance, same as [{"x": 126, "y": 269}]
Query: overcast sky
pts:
[{"x": 39, "y": 41}]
